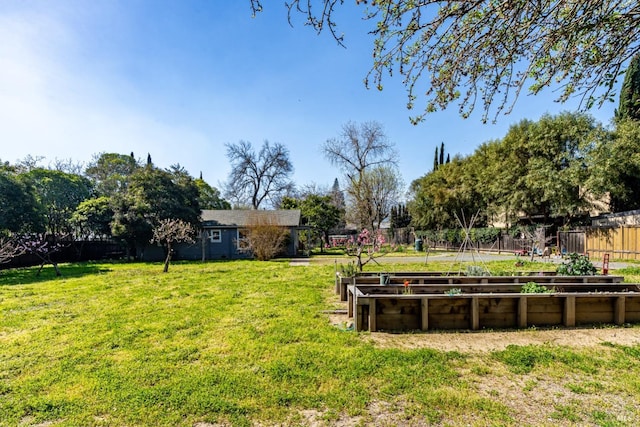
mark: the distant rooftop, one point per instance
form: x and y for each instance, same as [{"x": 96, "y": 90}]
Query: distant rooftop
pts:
[{"x": 244, "y": 218}]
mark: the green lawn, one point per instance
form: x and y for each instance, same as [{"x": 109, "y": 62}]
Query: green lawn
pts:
[{"x": 249, "y": 343}]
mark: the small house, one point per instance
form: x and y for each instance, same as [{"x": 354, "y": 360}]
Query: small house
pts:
[{"x": 222, "y": 231}]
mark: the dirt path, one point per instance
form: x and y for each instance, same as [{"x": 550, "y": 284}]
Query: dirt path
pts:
[{"x": 487, "y": 341}]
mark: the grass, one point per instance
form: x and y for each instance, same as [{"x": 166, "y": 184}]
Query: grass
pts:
[{"x": 245, "y": 343}]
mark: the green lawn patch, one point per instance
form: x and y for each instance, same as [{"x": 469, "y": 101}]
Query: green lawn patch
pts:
[{"x": 245, "y": 343}]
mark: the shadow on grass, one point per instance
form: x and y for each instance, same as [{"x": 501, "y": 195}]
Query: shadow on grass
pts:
[{"x": 29, "y": 275}]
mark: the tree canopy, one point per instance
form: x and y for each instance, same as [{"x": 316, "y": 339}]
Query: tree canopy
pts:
[
  {"x": 19, "y": 210},
  {"x": 629, "y": 105},
  {"x": 484, "y": 53},
  {"x": 551, "y": 168},
  {"x": 58, "y": 194},
  {"x": 111, "y": 171},
  {"x": 153, "y": 195}
]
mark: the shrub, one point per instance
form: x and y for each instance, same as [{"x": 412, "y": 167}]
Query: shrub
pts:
[
  {"x": 476, "y": 270},
  {"x": 348, "y": 270},
  {"x": 534, "y": 288},
  {"x": 263, "y": 238},
  {"x": 578, "y": 265}
]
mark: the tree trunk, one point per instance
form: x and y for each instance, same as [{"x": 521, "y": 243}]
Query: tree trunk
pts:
[{"x": 167, "y": 259}]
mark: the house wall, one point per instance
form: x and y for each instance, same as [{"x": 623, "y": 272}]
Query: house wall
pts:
[{"x": 224, "y": 249}]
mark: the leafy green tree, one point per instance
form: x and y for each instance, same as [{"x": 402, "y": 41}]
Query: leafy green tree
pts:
[
  {"x": 439, "y": 196},
  {"x": 19, "y": 210},
  {"x": 110, "y": 172},
  {"x": 153, "y": 195},
  {"x": 400, "y": 216},
  {"x": 93, "y": 217},
  {"x": 318, "y": 212},
  {"x": 485, "y": 53},
  {"x": 321, "y": 215},
  {"x": 547, "y": 167},
  {"x": 614, "y": 166},
  {"x": 58, "y": 194},
  {"x": 629, "y": 104},
  {"x": 209, "y": 197},
  {"x": 399, "y": 220}
]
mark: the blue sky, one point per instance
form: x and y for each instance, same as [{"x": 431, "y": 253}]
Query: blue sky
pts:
[{"x": 179, "y": 79}]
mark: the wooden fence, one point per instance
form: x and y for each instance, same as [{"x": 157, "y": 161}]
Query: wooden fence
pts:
[{"x": 621, "y": 242}]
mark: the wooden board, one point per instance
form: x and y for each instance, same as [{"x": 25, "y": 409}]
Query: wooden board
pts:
[{"x": 594, "y": 310}]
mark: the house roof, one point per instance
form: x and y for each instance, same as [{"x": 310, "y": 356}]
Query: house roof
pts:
[{"x": 245, "y": 218}]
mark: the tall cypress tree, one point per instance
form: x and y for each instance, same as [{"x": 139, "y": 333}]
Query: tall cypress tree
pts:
[
  {"x": 629, "y": 107},
  {"x": 442, "y": 153},
  {"x": 435, "y": 160}
]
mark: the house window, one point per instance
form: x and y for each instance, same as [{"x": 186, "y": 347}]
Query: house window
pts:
[
  {"x": 242, "y": 243},
  {"x": 215, "y": 236}
]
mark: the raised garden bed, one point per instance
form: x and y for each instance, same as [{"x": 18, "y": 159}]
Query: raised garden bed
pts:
[
  {"x": 497, "y": 305},
  {"x": 442, "y": 278}
]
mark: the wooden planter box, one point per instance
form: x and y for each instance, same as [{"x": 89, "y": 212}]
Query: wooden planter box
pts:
[
  {"x": 440, "y": 278},
  {"x": 499, "y": 306}
]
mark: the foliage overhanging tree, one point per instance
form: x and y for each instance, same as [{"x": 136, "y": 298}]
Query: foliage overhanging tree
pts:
[{"x": 485, "y": 53}]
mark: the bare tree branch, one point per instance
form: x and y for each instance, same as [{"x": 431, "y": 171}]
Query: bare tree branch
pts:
[{"x": 255, "y": 178}]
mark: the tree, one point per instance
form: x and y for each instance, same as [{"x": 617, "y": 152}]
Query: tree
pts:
[
  {"x": 43, "y": 246},
  {"x": 549, "y": 163},
  {"x": 629, "y": 104},
  {"x": 209, "y": 197},
  {"x": 321, "y": 215},
  {"x": 19, "y": 210},
  {"x": 168, "y": 232},
  {"x": 153, "y": 195},
  {"x": 258, "y": 177},
  {"x": 337, "y": 195},
  {"x": 366, "y": 247},
  {"x": 379, "y": 190},
  {"x": 9, "y": 248},
  {"x": 488, "y": 52},
  {"x": 367, "y": 159},
  {"x": 548, "y": 170},
  {"x": 58, "y": 194},
  {"x": 399, "y": 220},
  {"x": 614, "y": 167},
  {"x": 438, "y": 196},
  {"x": 110, "y": 172},
  {"x": 93, "y": 217}
]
